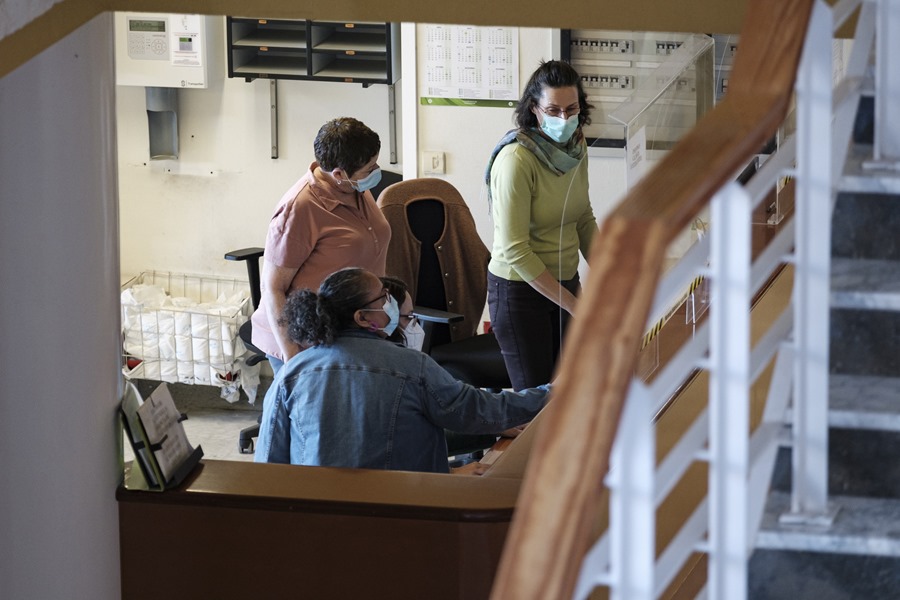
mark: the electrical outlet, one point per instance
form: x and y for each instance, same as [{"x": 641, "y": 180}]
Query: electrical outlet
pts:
[{"x": 433, "y": 163}]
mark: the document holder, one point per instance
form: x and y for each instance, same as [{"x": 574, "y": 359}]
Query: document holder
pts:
[{"x": 146, "y": 472}]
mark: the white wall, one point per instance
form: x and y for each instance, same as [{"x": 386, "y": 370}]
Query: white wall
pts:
[
  {"x": 60, "y": 346},
  {"x": 221, "y": 191},
  {"x": 184, "y": 221}
]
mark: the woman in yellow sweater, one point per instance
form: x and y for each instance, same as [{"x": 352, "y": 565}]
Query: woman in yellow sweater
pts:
[{"x": 538, "y": 192}]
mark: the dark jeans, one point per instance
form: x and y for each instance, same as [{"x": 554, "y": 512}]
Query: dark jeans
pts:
[{"x": 529, "y": 328}]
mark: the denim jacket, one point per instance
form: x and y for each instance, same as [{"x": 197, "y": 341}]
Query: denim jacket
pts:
[{"x": 366, "y": 402}]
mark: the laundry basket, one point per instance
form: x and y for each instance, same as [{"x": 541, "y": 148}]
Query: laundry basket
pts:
[{"x": 183, "y": 328}]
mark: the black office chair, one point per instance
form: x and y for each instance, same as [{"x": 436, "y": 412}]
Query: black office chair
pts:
[
  {"x": 387, "y": 178},
  {"x": 251, "y": 257},
  {"x": 428, "y": 217}
]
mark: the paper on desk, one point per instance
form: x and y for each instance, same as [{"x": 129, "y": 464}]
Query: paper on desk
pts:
[{"x": 160, "y": 419}]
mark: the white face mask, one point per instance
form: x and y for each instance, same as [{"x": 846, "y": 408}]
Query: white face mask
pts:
[
  {"x": 392, "y": 310},
  {"x": 414, "y": 335}
]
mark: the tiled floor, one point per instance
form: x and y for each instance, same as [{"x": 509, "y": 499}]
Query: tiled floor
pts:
[{"x": 217, "y": 432}]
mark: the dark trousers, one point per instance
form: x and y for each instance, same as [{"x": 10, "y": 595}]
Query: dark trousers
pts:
[{"x": 529, "y": 328}]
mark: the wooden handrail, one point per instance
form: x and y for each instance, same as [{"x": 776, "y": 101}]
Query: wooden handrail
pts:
[{"x": 563, "y": 481}]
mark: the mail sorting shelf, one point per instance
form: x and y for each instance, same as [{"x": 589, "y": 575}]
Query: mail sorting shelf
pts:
[{"x": 360, "y": 52}]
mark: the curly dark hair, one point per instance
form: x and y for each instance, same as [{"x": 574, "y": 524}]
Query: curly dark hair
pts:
[
  {"x": 397, "y": 288},
  {"x": 551, "y": 74},
  {"x": 345, "y": 143},
  {"x": 316, "y": 318}
]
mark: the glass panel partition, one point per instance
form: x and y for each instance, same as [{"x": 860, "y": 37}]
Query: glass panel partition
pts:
[{"x": 665, "y": 104}]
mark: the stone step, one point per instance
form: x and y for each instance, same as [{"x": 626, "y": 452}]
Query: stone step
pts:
[
  {"x": 862, "y": 526},
  {"x": 865, "y": 283},
  {"x": 866, "y": 213},
  {"x": 864, "y": 402},
  {"x": 861, "y": 402},
  {"x": 865, "y": 226},
  {"x": 860, "y": 177},
  {"x": 780, "y": 574},
  {"x": 861, "y": 462},
  {"x": 865, "y": 341}
]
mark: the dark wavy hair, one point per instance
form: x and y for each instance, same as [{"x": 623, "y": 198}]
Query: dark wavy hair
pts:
[
  {"x": 345, "y": 143},
  {"x": 551, "y": 74},
  {"x": 397, "y": 288},
  {"x": 315, "y": 318}
]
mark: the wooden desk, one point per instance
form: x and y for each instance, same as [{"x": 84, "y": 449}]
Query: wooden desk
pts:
[{"x": 245, "y": 530}]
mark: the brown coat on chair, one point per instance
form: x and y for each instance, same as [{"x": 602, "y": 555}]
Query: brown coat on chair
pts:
[{"x": 461, "y": 253}]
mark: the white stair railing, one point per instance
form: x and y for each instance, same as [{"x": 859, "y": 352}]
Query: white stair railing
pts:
[
  {"x": 625, "y": 558},
  {"x": 729, "y": 393},
  {"x": 813, "y": 201}
]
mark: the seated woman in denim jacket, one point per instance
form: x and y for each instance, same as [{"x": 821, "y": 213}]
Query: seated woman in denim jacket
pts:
[{"x": 352, "y": 400}]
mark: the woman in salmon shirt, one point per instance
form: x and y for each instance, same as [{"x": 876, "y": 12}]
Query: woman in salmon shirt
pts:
[{"x": 326, "y": 221}]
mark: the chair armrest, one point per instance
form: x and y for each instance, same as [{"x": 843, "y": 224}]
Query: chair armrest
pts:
[
  {"x": 251, "y": 256},
  {"x": 244, "y": 254},
  {"x": 429, "y": 317},
  {"x": 432, "y": 315}
]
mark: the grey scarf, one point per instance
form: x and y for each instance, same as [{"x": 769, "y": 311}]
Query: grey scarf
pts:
[{"x": 559, "y": 158}]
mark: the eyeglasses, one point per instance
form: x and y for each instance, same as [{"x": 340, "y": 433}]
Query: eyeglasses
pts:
[
  {"x": 555, "y": 111},
  {"x": 382, "y": 296},
  {"x": 410, "y": 318}
]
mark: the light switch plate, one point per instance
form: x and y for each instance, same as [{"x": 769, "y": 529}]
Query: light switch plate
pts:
[{"x": 433, "y": 163}]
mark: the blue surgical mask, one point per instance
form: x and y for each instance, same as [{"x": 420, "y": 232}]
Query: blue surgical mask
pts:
[
  {"x": 559, "y": 129},
  {"x": 367, "y": 182}
]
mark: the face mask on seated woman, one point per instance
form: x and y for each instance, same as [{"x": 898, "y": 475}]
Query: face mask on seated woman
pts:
[
  {"x": 392, "y": 310},
  {"x": 414, "y": 335}
]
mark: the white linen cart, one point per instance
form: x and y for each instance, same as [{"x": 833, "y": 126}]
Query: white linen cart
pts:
[{"x": 184, "y": 328}]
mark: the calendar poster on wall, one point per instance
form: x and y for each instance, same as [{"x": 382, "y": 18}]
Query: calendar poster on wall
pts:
[{"x": 470, "y": 66}]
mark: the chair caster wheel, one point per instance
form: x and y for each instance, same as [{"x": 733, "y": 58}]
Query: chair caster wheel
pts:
[{"x": 245, "y": 446}]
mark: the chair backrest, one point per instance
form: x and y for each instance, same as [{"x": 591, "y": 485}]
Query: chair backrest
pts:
[
  {"x": 435, "y": 248},
  {"x": 426, "y": 222}
]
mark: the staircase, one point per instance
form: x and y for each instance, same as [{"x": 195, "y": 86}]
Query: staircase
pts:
[
  {"x": 832, "y": 531},
  {"x": 858, "y": 556}
]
